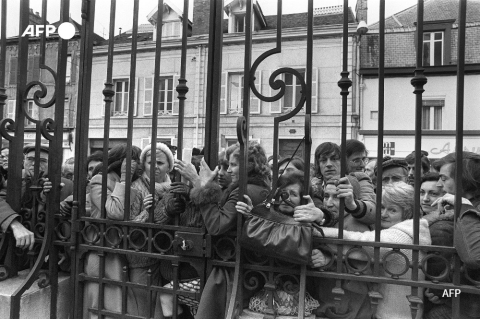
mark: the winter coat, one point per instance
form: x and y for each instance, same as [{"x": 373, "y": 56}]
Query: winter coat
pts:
[{"x": 401, "y": 233}]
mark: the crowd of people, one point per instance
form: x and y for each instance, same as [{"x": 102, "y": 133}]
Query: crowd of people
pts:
[{"x": 211, "y": 199}]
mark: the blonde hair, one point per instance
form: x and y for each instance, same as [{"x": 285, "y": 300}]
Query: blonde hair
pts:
[{"x": 400, "y": 194}]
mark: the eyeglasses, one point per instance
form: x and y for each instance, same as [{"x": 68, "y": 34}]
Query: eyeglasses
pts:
[{"x": 359, "y": 161}]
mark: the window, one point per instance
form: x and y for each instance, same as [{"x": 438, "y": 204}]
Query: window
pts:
[
  {"x": 235, "y": 100},
  {"x": 32, "y": 110},
  {"x": 171, "y": 29},
  {"x": 432, "y": 114},
  {"x": 433, "y": 48},
  {"x": 120, "y": 101},
  {"x": 292, "y": 91},
  {"x": 165, "y": 99}
]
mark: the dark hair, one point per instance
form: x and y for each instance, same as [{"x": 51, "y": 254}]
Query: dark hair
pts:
[
  {"x": 296, "y": 162},
  {"x": 116, "y": 155},
  {"x": 354, "y": 146},
  {"x": 96, "y": 156},
  {"x": 410, "y": 159},
  {"x": 430, "y": 177},
  {"x": 222, "y": 161},
  {"x": 257, "y": 160},
  {"x": 293, "y": 178},
  {"x": 325, "y": 149},
  {"x": 471, "y": 170}
]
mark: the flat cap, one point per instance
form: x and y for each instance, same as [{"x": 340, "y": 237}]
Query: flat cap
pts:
[{"x": 31, "y": 147}]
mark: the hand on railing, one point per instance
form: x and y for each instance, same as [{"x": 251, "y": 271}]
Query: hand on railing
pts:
[
  {"x": 345, "y": 190},
  {"x": 245, "y": 208},
  {"x": 308, "y": 213},
  {"x": 24, "y": 238},
  {"x": 147, "y": 202},
  {"x": 433, "y": 298},
  {"x": 319, "y": 259}
]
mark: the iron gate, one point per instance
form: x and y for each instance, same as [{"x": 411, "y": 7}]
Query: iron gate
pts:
[{"x": 80, "y": 236}]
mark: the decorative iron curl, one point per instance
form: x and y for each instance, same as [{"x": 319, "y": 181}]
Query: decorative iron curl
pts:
[
  {"x": 242, "y": 130},
  {"x": 291, "y": 286},
  {"x": 64, "y": 230},
  {"x": 252, "y": 279},
  {"x": 7, "y": 125},
  {"x": 47, "y": 125},
  {"x": 39, "y": 230},
  {"x": 40, "y": 94}
]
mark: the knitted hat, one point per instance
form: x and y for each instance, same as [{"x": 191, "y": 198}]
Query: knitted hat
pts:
[
  {"x": 160, "y": 147},
  {"x": 390, "y": 162}
]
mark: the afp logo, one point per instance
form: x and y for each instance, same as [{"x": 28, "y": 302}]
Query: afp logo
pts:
[{"x": 66, "y": 30}]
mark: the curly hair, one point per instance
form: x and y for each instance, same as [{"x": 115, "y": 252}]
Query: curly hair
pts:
[
  {"x": 116, "y": 155},
  {"x": 400, "y": 194},
  {"x": 257, "y": 165}
]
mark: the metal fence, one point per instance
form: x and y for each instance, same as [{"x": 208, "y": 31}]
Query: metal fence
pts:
[{"x": 101, "y": 240}]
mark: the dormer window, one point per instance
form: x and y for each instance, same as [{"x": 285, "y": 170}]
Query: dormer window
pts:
[
  {"x": 172, "y": 29},
  {"x": 239, "y": 22}
]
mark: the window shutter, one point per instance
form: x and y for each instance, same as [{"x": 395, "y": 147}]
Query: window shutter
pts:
[
  {"x": 176, "y": 101},
  {"x": 135, "y": 98},
  {"x": 30, "y": 69},
  {"x": 36, "y": 68},
  {"x": 147, "y": 96},
  {"x": 224, "y": 93},
  {"x": 276, "y": 106},
  {"x": 255, "y": 102},
  {"x": 11, "y": 109},
  {"x": 13, "y": 70},
  {"x": 73, "y": 69},
  {"x": 315, "y": 88}
]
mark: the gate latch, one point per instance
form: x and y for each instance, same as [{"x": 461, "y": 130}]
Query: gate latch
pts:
[
  {"x": 189, "y": 244},
  {"x": 186, "y": 245}
]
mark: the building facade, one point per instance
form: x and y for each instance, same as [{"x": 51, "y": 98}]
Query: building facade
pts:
[
  {"x": 439, "y": 99},
  {"x": 35, "y": 73},
  {"x": 327, "y": 65}
]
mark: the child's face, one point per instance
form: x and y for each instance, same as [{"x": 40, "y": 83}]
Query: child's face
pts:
[{"x": 294, "y": 198}]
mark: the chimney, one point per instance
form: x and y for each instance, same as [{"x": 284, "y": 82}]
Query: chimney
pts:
[
  {"x": 361, "y": 10},
  {"x": 201, "y": 16},
  {"x": 34, "y": 18}
]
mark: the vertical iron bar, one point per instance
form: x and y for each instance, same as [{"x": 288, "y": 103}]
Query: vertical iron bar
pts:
[
  {"x": 81, "y": 144},
  {"x": 182, "y": 88},
  {"x": 44, "y": 35},
  {"x": 156, "y": 86},
  {"x": 275, "y": 120},
  {"x": 131, "y": 104},
  {"x": 381, "y": 121},
  {"x": 214, "y": 71},
  {"x": 308, "y": 79},
  {"x": 345, "y": 83},
  {"x": 418, "y": 81},
  {"x": 462, "y": 13}
]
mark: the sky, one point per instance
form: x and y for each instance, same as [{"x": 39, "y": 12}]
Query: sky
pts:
[{"x": 124, "y": 14}]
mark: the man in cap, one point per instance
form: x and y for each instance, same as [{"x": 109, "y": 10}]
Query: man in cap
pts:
[
  {"x": 394, "y": 171},
  {"x": 29, "y": 165}
]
